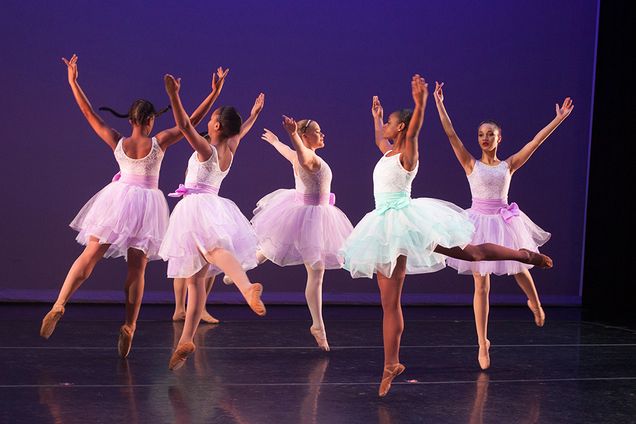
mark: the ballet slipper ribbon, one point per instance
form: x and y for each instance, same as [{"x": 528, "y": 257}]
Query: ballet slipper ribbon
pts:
[
  {"x": 184, "y": 190},
  {"x": 386, "y": 201},
  {"x": 510, "y": 211},
  {"x": 116, "y": 177}
]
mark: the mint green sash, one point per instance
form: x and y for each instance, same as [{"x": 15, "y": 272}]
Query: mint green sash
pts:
[{"x": 395, "y": 200}]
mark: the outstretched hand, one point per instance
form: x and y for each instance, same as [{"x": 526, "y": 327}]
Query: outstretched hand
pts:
[
  {"x": 290, "y": 125},
  {"x": 419, "y": 90},
  {"x": 218, "y": 79},
  {"x": 439, "y": 93},
  {"x": 71, "y": 65},
  {"x": 259, "y": 103},
  {"x": 564, "y": 111},
  {"x": 376, "y": 108},
  {"x": 172, "y": 85},
  {"x": 269, "y": 136}
]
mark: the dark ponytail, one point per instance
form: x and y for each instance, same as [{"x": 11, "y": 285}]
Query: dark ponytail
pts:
[{"x": 139, "y": 113}]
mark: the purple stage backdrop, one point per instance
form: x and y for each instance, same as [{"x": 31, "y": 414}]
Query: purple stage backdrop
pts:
[{"x": 511, "y": 61}]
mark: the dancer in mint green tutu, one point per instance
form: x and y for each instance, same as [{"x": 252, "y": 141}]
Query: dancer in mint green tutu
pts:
[{"x": 410, "y": 236}]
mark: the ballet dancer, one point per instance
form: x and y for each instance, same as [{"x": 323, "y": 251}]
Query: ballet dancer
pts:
[
  {"x": 302, "y": 225},
  {"x": 207, "y": 233},
  {"x": 129, "y": 216},
  {"x": 496, "y": 220},
  {"x": 409, "y": 236}
]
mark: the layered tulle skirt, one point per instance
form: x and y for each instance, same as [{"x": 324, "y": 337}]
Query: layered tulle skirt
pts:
[
  {"x": 201, "y": 223},
  {"x": 295, "y": 229},
  {"x": 506, "y": 225},
  {"x": 124, "y": 216},
  {"x": 409, "y": 227}
]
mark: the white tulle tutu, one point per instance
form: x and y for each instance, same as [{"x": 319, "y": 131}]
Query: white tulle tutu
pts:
[
  {"x": 291, "y": 232},
  {"x": 124, "y": 216},
  {"x": 516, "y": 232},
  {"x": 200, "y": 223}
]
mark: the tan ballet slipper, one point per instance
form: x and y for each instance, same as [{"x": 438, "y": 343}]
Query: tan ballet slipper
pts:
[
  {"x": 253, "y": 298},
  {"x": 209, "y": 319},
  {"x": 484, "y": 356},
  {"x": 538, "y": 259},
  {"x": 50, "y": 320},
  {"x": 179, "y": 356},
  {"x": 390, "y": 372},
  {"x": 124, "y": 343},
  {"x": 321, "y": 338},
  {"x": 539, "y": 314}
]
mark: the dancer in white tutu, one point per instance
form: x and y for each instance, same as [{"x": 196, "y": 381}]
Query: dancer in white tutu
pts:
[
  {"x": 129, "y": 216},
  {"x": 180, "y": 288},
  {"x": 497, "y": 221},
  {"x": 409, "y": 236},
  {"x": 302, "y": 225},
  {"x": 207, "y": 233}
]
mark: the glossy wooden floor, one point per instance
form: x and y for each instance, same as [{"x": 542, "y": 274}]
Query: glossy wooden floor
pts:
[{"x": 267, "y": 370}]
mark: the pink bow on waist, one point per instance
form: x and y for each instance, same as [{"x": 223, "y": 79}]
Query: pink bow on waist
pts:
[
  {"x": 116, "y": 177},
  {"x": 198, "y": 188},
  {"x": 509, "y": 212},
  {"x": 182, "y": 190}
]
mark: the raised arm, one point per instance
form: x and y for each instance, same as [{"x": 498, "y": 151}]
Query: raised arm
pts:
[
  {"x": 378, "y": 123},
  {"x": 306, "y": 157},
  {"x": 198, "y": 143},
  {"x": 259, "y": 103},
  {"x": 281, "y": 147},
  {"x": 106, "y": 133},
  {"x": 517, "y": 160},
  {"x": 466, "y": 160},
  {"x": 410, "y": 154},
  {"x": 167, "y": 138}
]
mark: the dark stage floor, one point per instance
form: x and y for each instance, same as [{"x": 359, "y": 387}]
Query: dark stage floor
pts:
[{"x": 267, "y": 370}]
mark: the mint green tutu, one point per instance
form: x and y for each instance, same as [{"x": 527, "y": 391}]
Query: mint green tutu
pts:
[{"x": 413, "y": 228}]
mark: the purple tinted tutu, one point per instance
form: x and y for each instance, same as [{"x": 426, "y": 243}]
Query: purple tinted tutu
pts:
[
  {"x": 201, "y": 223},
  {"x": 291, "y": 232},
  {"x": 124, "y": 216},
  {"x": 515, "y": 232}
]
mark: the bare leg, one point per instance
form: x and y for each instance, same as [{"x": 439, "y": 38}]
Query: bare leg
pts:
[
  {"x": 260, "y": 258},
  {"x": 179, "y": 286},
  {"x": 525, "y": 281},
  {"x": 481, "y": 308},
  {"x": 495, "y": 252},
  {"x": 81, "y": 269},
  {"x": 134, "y": 293},
  {"x": 135, "y": 282},
  {"x": 79, "y": 272},
  {"x": 224, "y": 260},
  {"x": 392, "y": 322},
  {"x": 313, "y": 294},
  {"x": 196, "y": 305},
  {"x": 205, "y": 315}
]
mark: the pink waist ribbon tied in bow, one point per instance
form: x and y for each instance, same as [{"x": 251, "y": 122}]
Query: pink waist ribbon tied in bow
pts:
[
  {"x": 197, "y": 188},
  {"x": 496, "y": 206}
]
